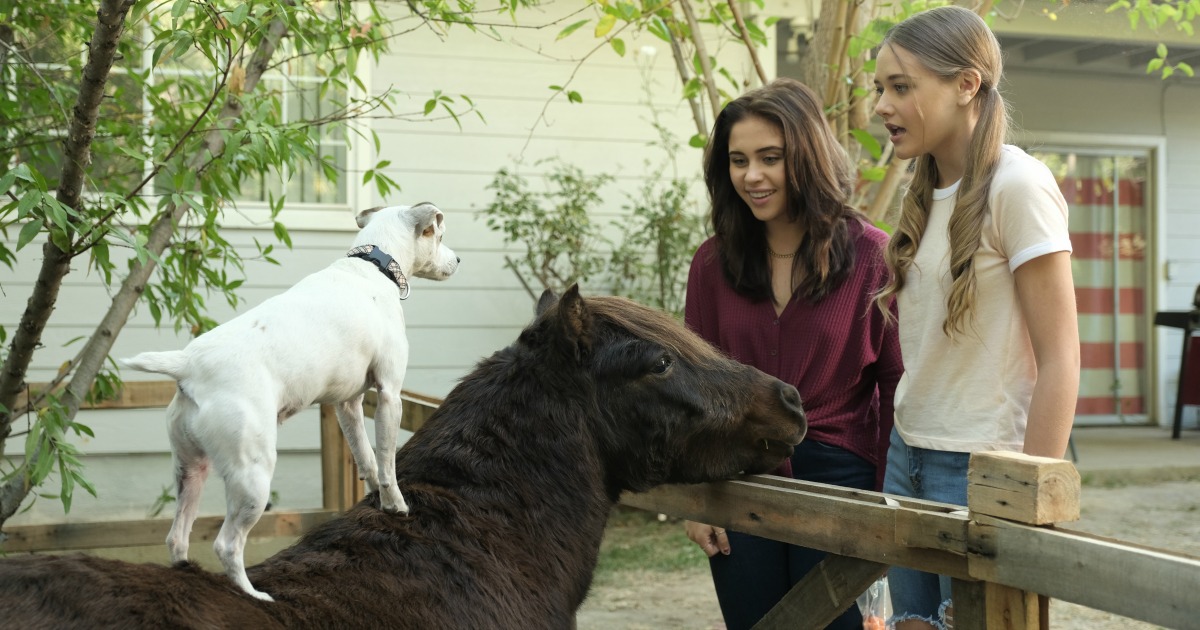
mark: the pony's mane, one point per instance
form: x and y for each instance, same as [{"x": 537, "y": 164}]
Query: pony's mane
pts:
[{"x": 647, "y": 323}]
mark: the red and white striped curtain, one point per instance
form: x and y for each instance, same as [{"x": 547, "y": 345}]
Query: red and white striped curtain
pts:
[{"x": 1108, "y": 200}]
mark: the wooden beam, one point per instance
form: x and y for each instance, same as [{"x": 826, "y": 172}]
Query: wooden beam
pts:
[
  {"x": 1023, "y": 488},
  {"x": 1139, "y": 582},
  {"x": 137, "y": 533},
  {"x": 804, "y": 517},
  {"x": 969, "y": 610},
  {"x": 340, "y": 486},
  {"x": 1049, "y": 47},
  {"x": 1099, "y": 52},
  {"x": 1009, "y": 608},
  {"x": 133, "y": 395},
  {"x": 828, "y": 590}
]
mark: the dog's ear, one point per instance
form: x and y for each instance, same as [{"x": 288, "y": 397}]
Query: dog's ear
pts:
[
  {"x": 428, "y": 218},
  {"x": 548, "y": 298},
  {"x": 365, "y": 216}
]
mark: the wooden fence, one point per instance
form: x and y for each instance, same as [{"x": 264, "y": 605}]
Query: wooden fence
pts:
[
  {"x": 1005, "y": 553},
  {"x": 340, "y": 486}
]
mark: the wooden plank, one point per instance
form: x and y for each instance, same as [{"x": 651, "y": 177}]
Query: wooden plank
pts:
[
  {"x": 1139, "y": 582},
  {"x": 415, "y": 408},
  {"x": 1023, "y": 488},
  {"x": 149, "y": 394},
  {"x": 340, "y": 486},
  {"x": 827, "y": 591},
  {"x": 865, "y": 496},
  {"x": 916, "y": 528},
  {"x": 137, "y": 533},
  {"x": 133, "y": 395},
  {"x": 969, "y": 610},
  {"x": 1009, "y": 608},
  {"x": 800, "y": 517}
]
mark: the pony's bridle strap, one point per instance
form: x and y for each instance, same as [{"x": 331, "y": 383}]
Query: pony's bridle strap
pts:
[{"x": 386, "y": 264}]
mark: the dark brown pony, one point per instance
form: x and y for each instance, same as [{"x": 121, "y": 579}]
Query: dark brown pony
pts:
[{"x": 510, "y": 484}]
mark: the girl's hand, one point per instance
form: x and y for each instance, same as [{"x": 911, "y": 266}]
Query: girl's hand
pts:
[{"x": 711, "y": 539}]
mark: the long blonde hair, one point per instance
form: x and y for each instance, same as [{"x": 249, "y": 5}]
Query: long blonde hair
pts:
[{"x": 948, "y": 41}]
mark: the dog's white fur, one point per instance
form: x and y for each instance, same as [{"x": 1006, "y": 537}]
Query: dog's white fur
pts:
[{"x": 328, "y": 339}]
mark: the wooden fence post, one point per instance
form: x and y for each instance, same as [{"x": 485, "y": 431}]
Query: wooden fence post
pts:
[
  {"x": 340, "y": 486},
  {"x": 1025, "y": 489}
]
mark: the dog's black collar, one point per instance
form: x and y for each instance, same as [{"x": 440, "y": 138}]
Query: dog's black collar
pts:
[{"x": 386, "y": 264}]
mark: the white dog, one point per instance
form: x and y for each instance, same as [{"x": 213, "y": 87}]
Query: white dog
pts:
[{"x": 328, "y": 339}]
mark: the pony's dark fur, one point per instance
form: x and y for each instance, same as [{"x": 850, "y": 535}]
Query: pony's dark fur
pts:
[{"x": 510, "y": 484}]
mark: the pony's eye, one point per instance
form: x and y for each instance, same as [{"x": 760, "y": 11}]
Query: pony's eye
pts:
[{"x": 661, "y": 366}]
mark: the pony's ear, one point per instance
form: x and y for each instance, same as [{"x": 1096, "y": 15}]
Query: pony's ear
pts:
[
  {"x": 365, "y": 216},
  {"x": 575, "y": 323},
  {"x": 545, "y": 302}
]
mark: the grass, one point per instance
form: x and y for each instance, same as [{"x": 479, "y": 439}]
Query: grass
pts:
[{"x": 637, "y": 541}]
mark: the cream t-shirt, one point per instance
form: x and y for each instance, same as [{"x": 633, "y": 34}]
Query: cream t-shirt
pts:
[{"x": 972, "y": 394}]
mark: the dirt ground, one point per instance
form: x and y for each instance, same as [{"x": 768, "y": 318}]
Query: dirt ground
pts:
[{"x": 1164, "y": 515}]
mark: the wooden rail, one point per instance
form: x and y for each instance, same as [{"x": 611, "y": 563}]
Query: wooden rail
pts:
[
  {"x": 340, "y": 485},
  {"x": 999, "y": 564}
]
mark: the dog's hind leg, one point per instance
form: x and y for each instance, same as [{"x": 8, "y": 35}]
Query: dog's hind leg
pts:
[
  {"x": 247, "y": 490},
  {"x": 350, "y": 417},
  {"x": 387, "y": 434},
  {"x": 189, "y": 481},
  {"x": 191, "y": 468}
]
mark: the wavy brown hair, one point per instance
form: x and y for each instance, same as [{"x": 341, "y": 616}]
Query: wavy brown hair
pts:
[
  {"x": 948, "y": 41},
  {"x": 819, "y": 181}
]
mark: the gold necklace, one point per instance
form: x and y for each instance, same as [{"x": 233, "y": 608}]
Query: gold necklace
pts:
[{"x": 778, "y": 255}]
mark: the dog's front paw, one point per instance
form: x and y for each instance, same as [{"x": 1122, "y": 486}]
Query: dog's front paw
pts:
[{"x": 392, "y": 501}]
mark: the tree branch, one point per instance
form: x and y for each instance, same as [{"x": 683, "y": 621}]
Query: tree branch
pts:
[
  {"x": 741, "y": 24},
  {"x": 710, "y": 81}
]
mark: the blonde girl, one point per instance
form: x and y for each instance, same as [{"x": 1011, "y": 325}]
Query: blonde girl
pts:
[{"x": 981, "y": 274}]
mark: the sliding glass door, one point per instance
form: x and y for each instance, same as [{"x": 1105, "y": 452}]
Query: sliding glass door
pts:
[{"x": 1109, "y": 195}]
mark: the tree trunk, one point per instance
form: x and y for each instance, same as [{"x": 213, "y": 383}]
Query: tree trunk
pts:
[
  {"x": 100, "y": 343},
  {"x": 77, "y": 155}
]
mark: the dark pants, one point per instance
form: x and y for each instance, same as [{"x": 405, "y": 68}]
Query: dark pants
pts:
[{"x": 758, "y": 572}]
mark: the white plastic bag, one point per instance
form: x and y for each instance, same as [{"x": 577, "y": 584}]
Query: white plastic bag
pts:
[{"x": 876, "y": 605}]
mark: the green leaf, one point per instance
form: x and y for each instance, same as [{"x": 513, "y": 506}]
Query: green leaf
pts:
[
  {"x": 698, "y": 141},
  {"x": 28, "y": 231},
  {"x": 179, "y": 8},
  {"x": 570, "y": 29},
  {"x": 430, "y": 105},
  {"x": 658, "y": 28},
  {"x": 1161, "y": 50},
  {"x": 873, "y": 173},
  {"x": 238, "y": 15},
  {"x": 868, "y": 142},
  {"x": 618, "y": 45},
  {"x": 606, "y": 24},
  {"x": 1185, "y": 68},
  {"x": 574, "y": 97},
  {"x": 1153, "y": 65},
  {"x": 281, "y": 233}
]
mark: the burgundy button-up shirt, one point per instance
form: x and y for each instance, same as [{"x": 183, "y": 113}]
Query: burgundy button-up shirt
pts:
[{"x": 837, "y": 352}]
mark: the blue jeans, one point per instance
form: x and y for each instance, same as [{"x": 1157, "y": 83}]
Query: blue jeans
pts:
[
  {"x": 935, "y": 476},
  {"x": 758, "y": 572}
]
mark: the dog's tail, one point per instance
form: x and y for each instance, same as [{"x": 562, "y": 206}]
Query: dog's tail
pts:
[{"x": 172, "y": 363}]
